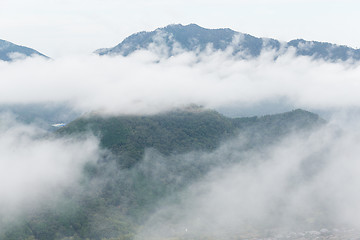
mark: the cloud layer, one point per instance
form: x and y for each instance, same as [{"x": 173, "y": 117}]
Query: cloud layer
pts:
[{"x": 145, "y": 83}]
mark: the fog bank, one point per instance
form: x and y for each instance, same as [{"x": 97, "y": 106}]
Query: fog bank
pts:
[{"x": 146, "y": 82}]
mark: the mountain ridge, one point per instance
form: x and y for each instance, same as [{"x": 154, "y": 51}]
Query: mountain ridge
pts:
[
  {"x": 195, "y": 38},
  {"x": 7, "y": 49}
]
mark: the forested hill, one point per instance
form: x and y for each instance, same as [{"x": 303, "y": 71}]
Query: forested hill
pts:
[
  {"x": 151, "y": 160},
  {"x": 183, "y": 131}
]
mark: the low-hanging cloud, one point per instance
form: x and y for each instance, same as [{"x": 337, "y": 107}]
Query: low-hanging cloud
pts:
[
  {"x": 145, "y": 83},
  {"x": 302, "y": 180},
  {"x": 302, "y": 183},
  {"x": 36, "y": 168}
]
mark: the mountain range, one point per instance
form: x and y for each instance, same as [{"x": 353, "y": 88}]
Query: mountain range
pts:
[
  {"x": 177, "y": 38},
  {"x": 10, "y": 51}
]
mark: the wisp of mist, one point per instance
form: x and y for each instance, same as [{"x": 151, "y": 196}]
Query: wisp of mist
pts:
[{"x": 303, "y": 182}]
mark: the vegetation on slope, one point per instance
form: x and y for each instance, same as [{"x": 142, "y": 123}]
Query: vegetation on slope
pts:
[{"x": 143, "y": 164}]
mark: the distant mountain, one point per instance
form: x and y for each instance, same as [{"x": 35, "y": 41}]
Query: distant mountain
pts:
[
  {"x": 195, "y": 38},
  {"x": 9, "y": 51}
]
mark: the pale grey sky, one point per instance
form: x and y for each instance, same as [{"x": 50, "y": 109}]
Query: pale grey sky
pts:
[{"x": 64, "y": 27}]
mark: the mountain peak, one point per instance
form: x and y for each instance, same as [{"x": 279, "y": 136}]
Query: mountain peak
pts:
[
  {"x": 189, "y": 37},
  {"x": 180, "y": 26},
  {"x": 192, "y": 37}
]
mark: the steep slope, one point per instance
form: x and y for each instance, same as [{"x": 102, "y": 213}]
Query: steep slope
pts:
[
  {"x": 9, "y": 50},
  {"x": 195, "y": 38}
]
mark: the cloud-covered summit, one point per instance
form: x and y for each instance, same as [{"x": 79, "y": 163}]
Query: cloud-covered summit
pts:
[
  {"x": 177, "y": 38},
  {"x": 10, "y": 51}
]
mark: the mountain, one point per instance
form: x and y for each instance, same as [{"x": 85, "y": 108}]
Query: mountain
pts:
[
  {"x": 181, "y": 131},
  {"x": 9, "y": 51},
  {"x": 195, "y": 38},
  {"x": 148, "y": 160}
]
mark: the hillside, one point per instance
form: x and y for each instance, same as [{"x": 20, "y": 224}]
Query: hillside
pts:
[
  {"x": 178, "y": 132},
  {"x": 195, "y": 38},
  {"x": 151, "y": 159}
]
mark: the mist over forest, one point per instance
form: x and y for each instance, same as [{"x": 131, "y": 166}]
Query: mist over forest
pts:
[{"x": 207, "y": 143}]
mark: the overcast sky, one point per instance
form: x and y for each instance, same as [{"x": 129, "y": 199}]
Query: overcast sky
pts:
[{"x": 64, "y": 27}]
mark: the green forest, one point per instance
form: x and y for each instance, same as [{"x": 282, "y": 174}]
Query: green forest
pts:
[{"x": 143, "y": 167}]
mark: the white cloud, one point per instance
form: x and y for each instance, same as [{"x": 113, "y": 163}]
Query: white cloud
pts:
[
  {"x": 35, "y": 168},
  {"x": 143, "y": 82}
]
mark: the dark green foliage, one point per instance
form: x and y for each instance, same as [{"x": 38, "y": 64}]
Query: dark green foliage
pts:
[
  {"x": 179, "y": 132},
  {"x": 169, "y": 133},
  {"x": 269, "y": 128},
  {"x": 150, "y": 160}
]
